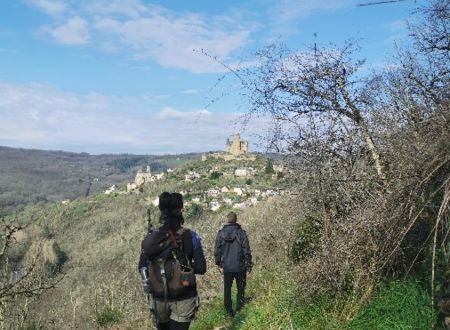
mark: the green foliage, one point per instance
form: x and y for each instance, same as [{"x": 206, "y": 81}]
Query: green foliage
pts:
[
  {"x": 108, "y": 316},
  {"x": 210, "y": 318},
  {"x": 398, "y": 305},
  {"x": 53, "y": 268},
  {"x": 249, "y": 182},
  {"x": 128, "y": 163},
  {"x": 47, "y": 232},
  {"x": 275, "y": 303},
  {"x": 305, "y": 240},
  {"x": 269, "y": 166},
  {"x": 194, "y": 212},
  {"x": 215, "y": 175},
  {"x": 78, "y": 210},
  {"x": 35, "y": 325}
]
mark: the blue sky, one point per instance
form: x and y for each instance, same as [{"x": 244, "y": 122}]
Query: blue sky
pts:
[{"x": 130, "y": 76}]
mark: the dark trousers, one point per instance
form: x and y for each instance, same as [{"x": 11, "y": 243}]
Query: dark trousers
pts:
[
  {"x": 241, "y": 279},
  {"x": 173, "y": 325}
]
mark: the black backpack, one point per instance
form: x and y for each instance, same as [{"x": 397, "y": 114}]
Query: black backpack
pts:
[{"x": 170, "y": 273}]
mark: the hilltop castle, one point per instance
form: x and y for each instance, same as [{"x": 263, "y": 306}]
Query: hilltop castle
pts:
[{"x": 236, "y": 147}]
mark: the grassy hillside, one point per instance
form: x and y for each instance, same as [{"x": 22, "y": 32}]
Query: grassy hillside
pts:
[
  {"x": 32, "y": 176},
  {"x": 100, "y": 237}
]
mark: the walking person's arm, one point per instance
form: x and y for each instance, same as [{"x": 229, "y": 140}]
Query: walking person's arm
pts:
[
  {"x": 199, "y": 261},
  {"x": 246, "y": 252},
  {"x": 218, "y": 252}
]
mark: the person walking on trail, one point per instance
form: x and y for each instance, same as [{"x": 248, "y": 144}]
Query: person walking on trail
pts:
[
  {"x": 170, "y": 257},
  {"x": 233, "y": 257}
]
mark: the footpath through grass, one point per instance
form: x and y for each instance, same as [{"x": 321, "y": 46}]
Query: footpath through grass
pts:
[{"x": 273, "y": 303}]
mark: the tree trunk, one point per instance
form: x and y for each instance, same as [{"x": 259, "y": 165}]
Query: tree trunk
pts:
[{"x": 355, "y": 115}]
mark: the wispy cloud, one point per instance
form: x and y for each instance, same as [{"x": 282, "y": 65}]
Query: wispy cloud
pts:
[
  {"x": 191, "y": 91},
  {"x": 152, "y": 32},
  {"x": 73, "y": 32},
  {"x": 284, "y": 13},
  {"x": 50, "y": 7},
  {"x": 41, "y": 116}
]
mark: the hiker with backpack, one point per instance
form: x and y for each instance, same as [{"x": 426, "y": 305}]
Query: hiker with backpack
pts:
[
  {"x": 171, "y": 256},
  {"x": 233, "y": 257}
]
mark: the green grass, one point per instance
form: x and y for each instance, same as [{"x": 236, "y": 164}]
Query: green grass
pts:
[
  {"x": 210, "y": 316},
  {"x": 398, "y": 305},
  {"x": 274, "y": 304}
]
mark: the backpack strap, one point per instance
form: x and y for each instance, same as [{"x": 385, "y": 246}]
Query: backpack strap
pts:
[{"x": 172, "y": 238}]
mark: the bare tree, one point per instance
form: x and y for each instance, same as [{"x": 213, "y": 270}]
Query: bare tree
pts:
[
  {"x": 345, "y": 132},
  {"x": 20, "y": 278},
  {"x": 322, "y": 83}
]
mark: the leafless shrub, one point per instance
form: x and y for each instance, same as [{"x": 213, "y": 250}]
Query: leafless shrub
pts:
[
  {"x": 368, "y": 154},
  {"x": 22, "y": 273}
]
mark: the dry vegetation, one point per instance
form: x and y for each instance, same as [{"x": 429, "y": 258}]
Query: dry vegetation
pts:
[
  {"x": 370, "y": 154},
  {"x": 370, "y": 174}
]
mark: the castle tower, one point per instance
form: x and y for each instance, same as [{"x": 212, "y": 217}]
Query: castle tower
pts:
[
  {"x": 143, "y": 177},
  {"x": 236, "y": 147}
]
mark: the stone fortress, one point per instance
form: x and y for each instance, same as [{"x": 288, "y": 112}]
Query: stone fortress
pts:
[
  {"x": 143, "y": 176},
  {"x": 235, "y": 148}
]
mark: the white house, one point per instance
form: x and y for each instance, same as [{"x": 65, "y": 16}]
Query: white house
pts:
[
  {"x": 212, "y": 192},
  {"x": 191, "y": 176},
  {"x": 228, "y": 201},
  {"x": 278, "y": 168},
  {"x": 239, "y": 205},
  {"x": 244, "y": 171},
  {"x": 214, "y": 205},
  {"x": 238, "y": 191}
]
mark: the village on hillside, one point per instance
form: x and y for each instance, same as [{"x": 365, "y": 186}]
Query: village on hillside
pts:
[{"x": 234, "y": 178}]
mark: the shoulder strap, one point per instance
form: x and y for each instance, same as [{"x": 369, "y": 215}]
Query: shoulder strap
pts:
[{"x": 172, "y": 238}]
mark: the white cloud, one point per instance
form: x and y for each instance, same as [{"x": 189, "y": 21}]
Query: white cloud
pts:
[
  {"x": 169, "y": 113},
  {"x": 50, "y": 7},
  {"x": 149, "y": 32},
  {"x": 73, "y": 32},
  {"x": 286, "y": 10},
  {"x": 175, "y": 41},
  {"x": 191, "y": 91},
  {"x": 44, "y": 117},
  {"x": 284, "y": 13}
]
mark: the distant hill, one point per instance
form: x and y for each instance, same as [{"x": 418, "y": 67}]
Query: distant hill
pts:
[{"x": 32, "y": 176}]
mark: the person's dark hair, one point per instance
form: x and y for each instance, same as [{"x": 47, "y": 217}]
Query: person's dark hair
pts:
[
  {"x": 232, "y": 217},
  {"x": 176, "y": 202},
  {"x": 171, "y": 217},
  {"x": 164, "y": 201}
]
